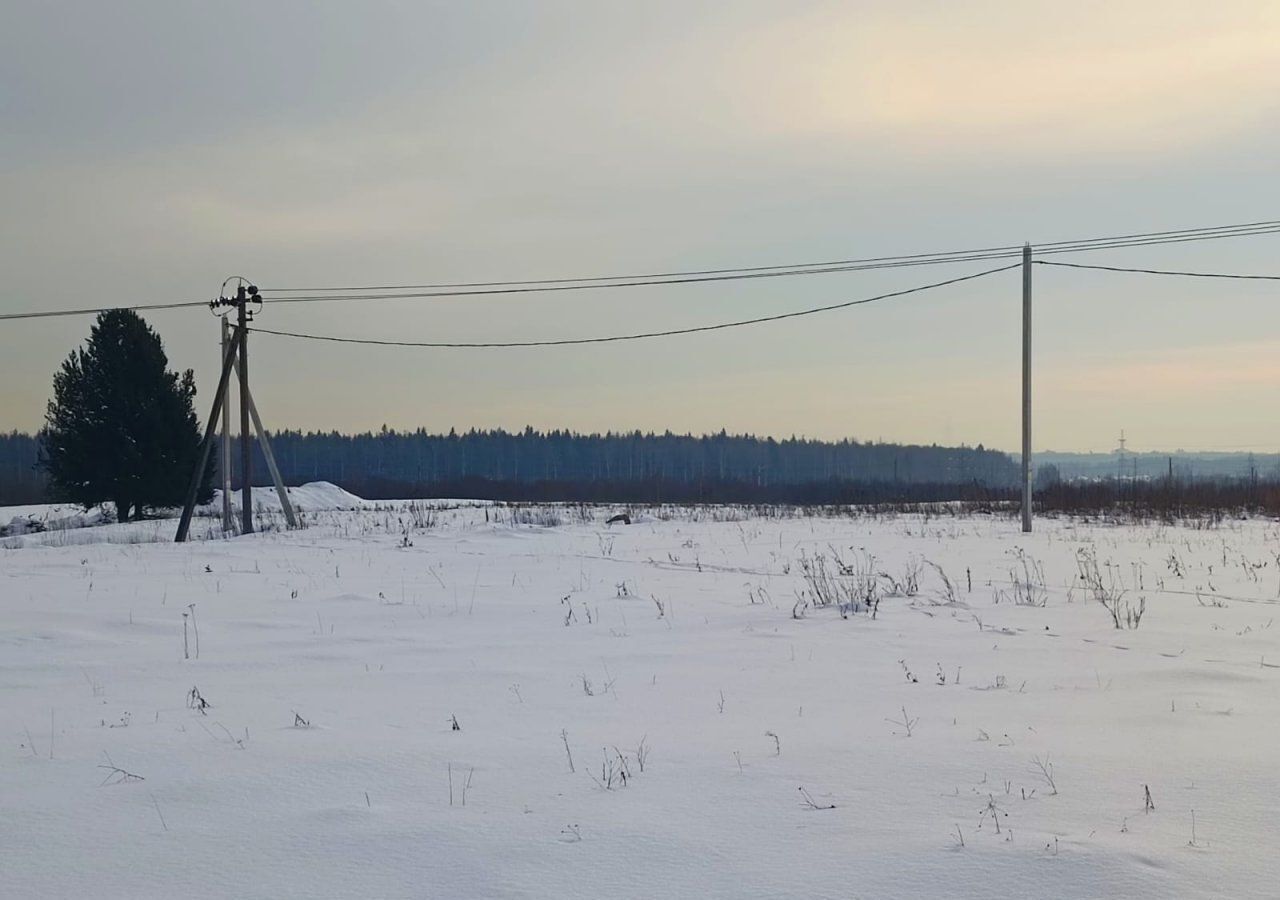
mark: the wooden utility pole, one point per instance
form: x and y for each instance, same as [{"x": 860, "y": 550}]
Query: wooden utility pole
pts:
[
  {"x": 1026, "y": 388},
  {"x": 224, "y": 454},
  {"x": 246, "y": 447}
]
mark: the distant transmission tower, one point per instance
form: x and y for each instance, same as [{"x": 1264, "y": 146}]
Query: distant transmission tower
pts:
[{"x": 1120, "y": 457}]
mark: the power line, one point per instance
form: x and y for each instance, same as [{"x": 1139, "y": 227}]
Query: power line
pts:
[
  {"x": 1157, "y": 242},
  {"x": 1232, "y": 275},
  {"x": 1076, "y": 245},
  {"x": 538, "y": 289},
  {"x": 635, "y": 337},
  {"x": 835, "y": 265},
  {"x": 593, "y": 284},
  {"x": 1243, "y": 227},
  {"x": 55, "y": 313},
  {"x": 496, "y": 288},
  {"x": 534, "y": 288},
  {"x": 550, "y": 288}
]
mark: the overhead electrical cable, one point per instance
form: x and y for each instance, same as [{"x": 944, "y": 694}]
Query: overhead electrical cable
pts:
[
  {"x": 639, "y": 276},
  {"x": 539, "y": 287},
  {"x": 498, "y": 288},
  {"x": 55, "y": 313},
  {"x": 1231, "y": 275},
  {"x": 636, "y": 336},
  {"x": 1076, "y": 245},
  {"x": 542, "y": 289}
]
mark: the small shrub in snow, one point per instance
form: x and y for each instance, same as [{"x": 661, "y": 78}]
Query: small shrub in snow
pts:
[
  {"x": 564, "y": 736},
  {"x": 422, "y": 515},
  {"x": 197, "y": 702},
  {"x": 991, "y": 812},
  {"x": 615, "y": 770},
  {"x": 908, "y": 583},
  {"x": 810, "y": 803},
  {"x": 1045, "y": 768},
  {"x": 948, "y": 592},
  {"x": 1125, "y": 615},
  {"x": 906, "y": 721},
  {"x": 116, "y": 775},
  {"x": 911, "y": 576},
  {"x": 542, "y": 516},
  {"x": 850, "y": 586},
  {"x": 466, "y": 785},
  {"x": 1109, "y": 591},
  {"x": 1027, "y": 585},
  {"x": 801, "y": 605}
]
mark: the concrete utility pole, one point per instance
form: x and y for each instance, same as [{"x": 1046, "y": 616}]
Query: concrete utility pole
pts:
[
  {"x": 1026, "y": 388},
  {"x": 234, "y": 348},
  {"x": 224, "y": 455},
  {"x": 197, "y": 474},
  {"x": 281, "y": 492},
  {"x": 246, "y": 448}
]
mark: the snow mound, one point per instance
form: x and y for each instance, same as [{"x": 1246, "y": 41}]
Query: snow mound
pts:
[
  {"x": 314, "y": 496},
  {"x": 20, "y": 525},
  {"x": 38, "y": 518}
]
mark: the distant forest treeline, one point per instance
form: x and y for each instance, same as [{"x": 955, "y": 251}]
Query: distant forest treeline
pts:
[
  {"x": 20, "y": 482},
  {"x": 621, "y": 467},
  {"x": 1187, "y": 466}
]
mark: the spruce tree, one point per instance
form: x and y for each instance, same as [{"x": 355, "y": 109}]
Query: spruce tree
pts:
[{"x": 121, "y": 427}]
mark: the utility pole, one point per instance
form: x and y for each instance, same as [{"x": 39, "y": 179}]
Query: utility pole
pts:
[
  {"x": 224, "y": 455},
  {"x": 1120, "y": 458},
  {"x": 246, "y": 448},
  {"x": 281, "y": 492},
  {"x": 234, "y": 343},
  {"x": 1026, "y": 388},
  {"x": 197, "y": 474}
]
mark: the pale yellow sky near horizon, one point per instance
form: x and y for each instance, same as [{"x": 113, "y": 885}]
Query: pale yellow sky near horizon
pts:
[{"x": 324, "y": 144}]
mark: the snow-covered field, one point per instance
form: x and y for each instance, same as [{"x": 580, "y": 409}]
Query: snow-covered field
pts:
[{"x": 646, "y": 710}]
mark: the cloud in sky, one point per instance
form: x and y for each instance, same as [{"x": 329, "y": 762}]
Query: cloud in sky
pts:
[
  {"x": 1008, "y": 81},
  {"x": 150, "y": 150}
]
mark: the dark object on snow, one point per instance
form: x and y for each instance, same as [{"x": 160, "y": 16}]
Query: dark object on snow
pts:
[{"x": 620, "y": 517}]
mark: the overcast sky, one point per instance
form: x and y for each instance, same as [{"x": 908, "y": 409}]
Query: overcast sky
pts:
[{"x": 149, "y": 150}]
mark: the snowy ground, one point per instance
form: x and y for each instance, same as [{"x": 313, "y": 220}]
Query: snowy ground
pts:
[
  {"x": 546, "y": 640},
  {"x": 22, "y": 521}
]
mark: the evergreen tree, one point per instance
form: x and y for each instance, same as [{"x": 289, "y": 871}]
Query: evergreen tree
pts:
[{"x": 121, "y": 427}]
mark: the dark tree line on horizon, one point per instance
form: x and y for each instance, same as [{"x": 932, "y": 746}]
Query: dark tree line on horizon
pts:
[
  {"x": 633, "y": 467},
  {"x": 530, "y": 456},
  {"x": 615, "y": 466},
  {"x": 20, "y": 480}
]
